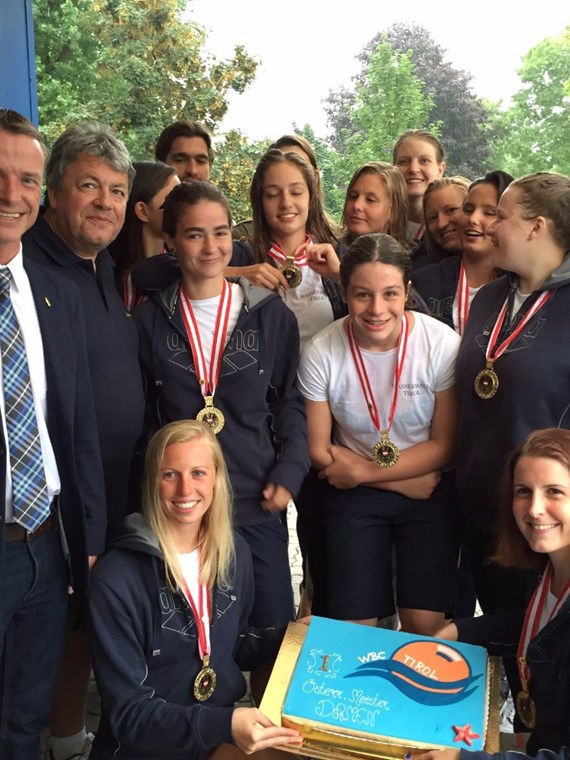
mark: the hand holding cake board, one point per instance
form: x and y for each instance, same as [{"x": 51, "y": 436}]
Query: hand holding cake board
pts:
[{"x": 381, "y": 693}]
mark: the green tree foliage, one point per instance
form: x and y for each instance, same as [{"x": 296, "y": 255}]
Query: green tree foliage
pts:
[
  {"x": 133, "y": 64},
  {"x": 331, "y": 168},
  {"x": 464, "y": 118},
  {"x": 534, "y": 132},
  {"x": 459, "y": 117},
  {"x": 234, "y": 165},
  {"x": 67, "y": 56},
  {"x": 387, "y": 99}
]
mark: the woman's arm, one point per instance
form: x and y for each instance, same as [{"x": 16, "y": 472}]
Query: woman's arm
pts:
[
  {"x": 321, "y": 452},
  {"x": 348, "y": 469},
  {"x": 265, "y": 275},
  {"x": 319, "y": 428}
]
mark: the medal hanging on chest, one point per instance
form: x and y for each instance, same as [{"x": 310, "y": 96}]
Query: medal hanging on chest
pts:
[
  {"x": 290, "y": 265},
  {"x": 206, "y": 679},
  {"x": 486, "y": 382},
  {"x": 526, "y": 708},
  {"x": 385, "y": 453},
  {"x": 208, "y": 380}
]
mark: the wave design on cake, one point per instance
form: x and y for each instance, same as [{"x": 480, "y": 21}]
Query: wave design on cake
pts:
[{"x": 428, "y": 672}]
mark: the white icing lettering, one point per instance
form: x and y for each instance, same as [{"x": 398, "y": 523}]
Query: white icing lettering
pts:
[
  {"x": 420, "y": 667},
  {"x": 343, "y": 713},
  {"x": 360, "y": 699},
  {"x": 312, "y": 687},
  {"x": 372, "y": 656}
]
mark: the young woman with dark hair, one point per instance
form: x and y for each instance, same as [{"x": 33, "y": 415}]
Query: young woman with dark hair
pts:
[
  {"x": 226, "y": 352},
  {"x": 290, "y": 228},
  {"x": 141, "y": 235},
  {"x": 449, "y": 287},
  {"x": 381, "y": 410}
]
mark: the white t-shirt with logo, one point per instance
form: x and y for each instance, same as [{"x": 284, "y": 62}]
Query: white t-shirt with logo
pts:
[
  {"x": 310, "y": 304},
  {"x": 327, "y": 373}
]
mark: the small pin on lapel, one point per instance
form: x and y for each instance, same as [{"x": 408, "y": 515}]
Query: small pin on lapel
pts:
[{"x": 48, "y": 302}]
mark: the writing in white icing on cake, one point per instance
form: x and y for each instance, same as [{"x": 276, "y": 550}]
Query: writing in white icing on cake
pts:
[
  {"x": 344, "y": 713},
  {"x": 312, "y": 687},
  {"x": 420, "y": 667},
  {"x": 360, "y": 698},
  {"x": 372, "y": 657}
]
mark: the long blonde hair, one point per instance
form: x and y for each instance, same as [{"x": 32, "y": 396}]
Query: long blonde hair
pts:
[{"x": 216, "y": 534}]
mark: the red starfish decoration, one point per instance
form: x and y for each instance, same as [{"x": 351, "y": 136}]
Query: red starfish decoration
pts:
[{"x": 464, "y": 734}]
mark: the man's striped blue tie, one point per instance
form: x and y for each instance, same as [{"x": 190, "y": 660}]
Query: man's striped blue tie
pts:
[{"x": 30, "y": 500}]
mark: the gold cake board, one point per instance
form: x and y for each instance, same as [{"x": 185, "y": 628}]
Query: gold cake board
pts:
[{"x": 325, "y": 743}]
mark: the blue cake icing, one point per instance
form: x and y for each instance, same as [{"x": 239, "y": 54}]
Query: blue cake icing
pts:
[{"x": 391, "y": 684}]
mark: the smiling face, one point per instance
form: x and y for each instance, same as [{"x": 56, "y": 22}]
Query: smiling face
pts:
[
  {"x": 442, "y": 215},
  {"x": 541, "y": 504},
  {"x": 21, "y": 170},
  {"x": 88, "y": 209},
  {"x": 477, "y": 219},
  {"x": 367, "y": 206},
  {"x": 203, "y": 241},
  {"x": 186, "y": 487},
  {"x": 285, "y": 201},
  {"x": 376, "y": 299},
  {"x": 417, "y": 162},
  {"x": 511, "y": 234}
]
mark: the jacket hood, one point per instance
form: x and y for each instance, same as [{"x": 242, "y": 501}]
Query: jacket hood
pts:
[
  {"x": 556, "y": 279},
  {"x": 559, "y": 277},
  {"x": 253, "y": 295},
  {"x": 137, "y": 536}
]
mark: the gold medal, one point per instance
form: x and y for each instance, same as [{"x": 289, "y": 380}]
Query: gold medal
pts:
[
  {"x": 526, "y": 709},
  {"x": 486, "y": 383},
  {"x": 205, "y": 681},
  {"x": 211, "y": 416},
  {"x": 292, "y": 272},
  {"x": 385, "y": 453}
]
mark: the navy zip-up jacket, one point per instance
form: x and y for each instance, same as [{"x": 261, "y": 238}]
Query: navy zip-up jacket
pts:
[
  {"x": 264, "y": 439},
  {"x": 145, "y": 653}
]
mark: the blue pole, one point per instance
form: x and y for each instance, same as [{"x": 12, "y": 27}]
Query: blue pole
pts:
[{"x": 18, "y": 84}]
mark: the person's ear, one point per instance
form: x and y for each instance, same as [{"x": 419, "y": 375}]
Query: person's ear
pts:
[{"x": 141, "y": 211}]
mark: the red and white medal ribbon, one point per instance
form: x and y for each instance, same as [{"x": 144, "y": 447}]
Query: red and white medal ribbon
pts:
[
  {"x": 278, "y": 254},
  {"x": 365, "y": 381},
  {"x": 537, "y": 305},
  {"x": 202, "y": 614},
  {"x": 130, "y": 298},
  {"x": 208, "y": 380},
  {"x": 420, "y": 231},
  {"x": 533, "y": 616},
  {"x": 462, "y": 300}
]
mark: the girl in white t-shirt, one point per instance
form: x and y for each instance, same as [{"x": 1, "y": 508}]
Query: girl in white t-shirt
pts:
[
  {"x": 289, "y": 226},
  {"x": 381, "y": 412}
]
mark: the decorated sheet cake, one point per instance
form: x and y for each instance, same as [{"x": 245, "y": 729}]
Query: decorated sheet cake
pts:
[{"x": 380, "y": 692}]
